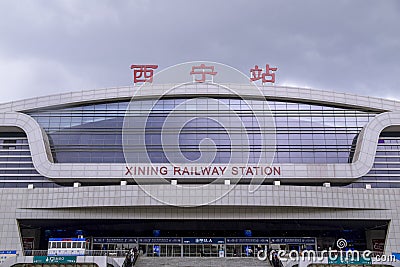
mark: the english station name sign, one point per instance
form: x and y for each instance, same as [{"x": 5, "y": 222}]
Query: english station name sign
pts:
[{"x": 205, "y": 171}]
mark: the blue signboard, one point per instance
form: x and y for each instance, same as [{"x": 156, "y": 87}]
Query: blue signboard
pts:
[
  {"x": 114, "y": 240},
  {"x": 160, "y": 240},
  {"x": 248, "y": 233},
  {"x": 292, "y": 240},
  {"x": 204, "y": 240},
  {"x": 156, "y": 233},
  {"x": 247, "y": 240},
  {"x": 156, "y": 250},
  {"x": 8, "y": 252}
]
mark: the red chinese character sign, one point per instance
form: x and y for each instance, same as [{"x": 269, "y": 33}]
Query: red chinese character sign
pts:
[
  {"x": 143, "y": 73},
  {"x": 268, "y": 76},
  {"x": 202, "y": 70}
]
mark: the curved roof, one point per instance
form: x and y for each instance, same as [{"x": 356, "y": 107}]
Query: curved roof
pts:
[
  {"x": 270, "y": 92},
  {"x": 11, "y": 115}
]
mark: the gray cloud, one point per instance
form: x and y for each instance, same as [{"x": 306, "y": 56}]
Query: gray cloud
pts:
[{"x": 49, "y": 47}]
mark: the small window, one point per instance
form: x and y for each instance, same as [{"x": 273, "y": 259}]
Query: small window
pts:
[
  {"x": 53, "y": 245},
  {"x": 69, "y": 244},
  {"x": 58, "y": 244},
  {"x": 8, "y": 144},
  {"x": 64, "y": 245}
]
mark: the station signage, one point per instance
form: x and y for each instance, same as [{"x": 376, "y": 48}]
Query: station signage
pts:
[
  {"x": 8, "y": 252},
  {"x": 305, "y": 240},
  {"x": 204, "y": 240},
  {"x": 114, "y": 240},
  {"x": 160, "y": 240},
  {"x": 54, "y": 259},
  {"x": 202, "y": 73},
  {"x": 247, "y": 240},
  {"x": 206, "y": 171}
]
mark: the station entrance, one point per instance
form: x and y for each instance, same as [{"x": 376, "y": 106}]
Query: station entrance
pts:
[
  {"x": 160, "y": 247},
  {"x": 203, "y": 250},
  {"x": 203, "y": 238},
  {"x": 161, "y": 250},
  {"x": 203, "y": 247},
  {"x": 113, "y": 243},
  {"x": 245, "y": 247}
]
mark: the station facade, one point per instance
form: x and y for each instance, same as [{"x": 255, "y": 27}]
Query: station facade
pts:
[{"x": 71, "y": 164}]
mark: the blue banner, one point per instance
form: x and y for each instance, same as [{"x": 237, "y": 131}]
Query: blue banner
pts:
[
  {"x": 204, "y": 240},
  {"x": 114, "y": 240},
  {"x": 8, "y": 252},
  {"x": 247, "y": 240},
  {"x": 293, "y": 240},
  {"x": 160, "y": 240}
]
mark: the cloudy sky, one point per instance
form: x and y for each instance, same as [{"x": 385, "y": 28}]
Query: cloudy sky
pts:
[{"x": 48, "y": 47}]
